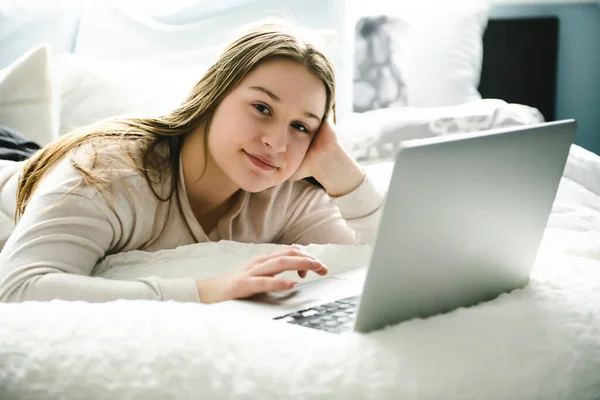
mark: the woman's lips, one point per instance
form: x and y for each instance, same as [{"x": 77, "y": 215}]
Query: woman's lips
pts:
[{"x": 260, "y": 162}]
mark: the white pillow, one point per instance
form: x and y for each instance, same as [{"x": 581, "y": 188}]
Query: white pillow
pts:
[
  {"x": 93, "y": 89},
  {"x": 378, "y": 134},
  {"x": 26, "y": 97},
  {"x": 442, "y": 62},
  {"x": 8, "y": 198},
  {"x": 194, "y": 31},
  {"x": 378, "y": 80}
]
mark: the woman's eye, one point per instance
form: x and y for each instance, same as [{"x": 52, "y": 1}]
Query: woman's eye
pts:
[
  {"x": 301, "y": 128},
  {"x": 262, "y": 109}
]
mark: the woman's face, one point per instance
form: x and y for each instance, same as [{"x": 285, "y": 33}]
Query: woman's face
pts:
[{"x": 263, "y": 128}]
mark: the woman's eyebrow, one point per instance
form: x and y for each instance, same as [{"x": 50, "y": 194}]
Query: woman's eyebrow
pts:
[
  {"x": 267, "y": 91},
  {"x": 277, "y": 99},
  {"x": 311, "y": 115}
]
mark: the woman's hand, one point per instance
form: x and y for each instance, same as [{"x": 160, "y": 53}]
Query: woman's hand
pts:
[
  {"x": 324, "y": 142},
  {"x": 328, "y": 162},
  {"x": 258, "y": 276}
]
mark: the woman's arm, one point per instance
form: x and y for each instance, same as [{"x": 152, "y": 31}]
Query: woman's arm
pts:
[
  {"x": 317, "y": 218},
  {"x": 61, "y": 237},
  {"x": 350, "y": 212},
  {"x": 352, "y": 192}
]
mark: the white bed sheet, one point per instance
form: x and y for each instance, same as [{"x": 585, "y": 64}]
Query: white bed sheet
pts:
[{"x": 541, "y": 342}]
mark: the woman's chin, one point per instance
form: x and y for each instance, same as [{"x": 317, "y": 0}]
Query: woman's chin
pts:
[
  {"x": 252, "y": 185},
  {"x": 255, "y": 185},
  {"x": 254, "y": 182}
]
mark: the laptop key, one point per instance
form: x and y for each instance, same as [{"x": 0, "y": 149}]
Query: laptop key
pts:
[{"x": 310, "y": 313}]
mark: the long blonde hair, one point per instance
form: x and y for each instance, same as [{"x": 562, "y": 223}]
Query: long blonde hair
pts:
[{"x": 260, "y": 43}]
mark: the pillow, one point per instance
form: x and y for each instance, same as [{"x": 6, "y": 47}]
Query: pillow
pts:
[
  {"x": 442, "y": 63},
  {"x": 188, "y": 32},
  {"x": 378, "y": 81},
  {"x": 377, "y": 134},
  {"x": 26, "y": 97},
  {"x": 8, "y": 199},
  {"x": 428, "y": 54},
  {"x": 25, "y": 24},
  {"x": 93, "y": 89}
]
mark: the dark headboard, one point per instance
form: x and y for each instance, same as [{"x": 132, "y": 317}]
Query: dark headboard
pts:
[{"x": 520, "y": 61}]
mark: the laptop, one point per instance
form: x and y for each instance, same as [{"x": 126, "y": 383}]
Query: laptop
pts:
[{"x": 462, "y": 223}]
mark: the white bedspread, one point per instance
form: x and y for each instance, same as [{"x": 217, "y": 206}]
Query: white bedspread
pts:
[{"x": 541, "y": 342}]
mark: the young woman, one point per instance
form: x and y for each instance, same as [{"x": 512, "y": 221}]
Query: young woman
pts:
[{"x": 228, "y": 164}]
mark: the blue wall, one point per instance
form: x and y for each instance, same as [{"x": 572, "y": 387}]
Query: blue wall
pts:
[{"x": 578, "y": 74}]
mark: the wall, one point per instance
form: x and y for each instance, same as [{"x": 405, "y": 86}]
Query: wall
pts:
[{"x": 578, "y": 74}]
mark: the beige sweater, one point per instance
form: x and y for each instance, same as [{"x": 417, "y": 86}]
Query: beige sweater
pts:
[{"x": 52, "y": 250}]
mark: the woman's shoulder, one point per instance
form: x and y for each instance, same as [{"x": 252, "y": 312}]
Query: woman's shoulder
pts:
[
  {"x": 91, "y": 169},
  {"x": 111, "y": 159}
]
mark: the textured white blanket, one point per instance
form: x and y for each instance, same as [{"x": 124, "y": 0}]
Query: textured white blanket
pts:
[{"x": 542, "y": 342}]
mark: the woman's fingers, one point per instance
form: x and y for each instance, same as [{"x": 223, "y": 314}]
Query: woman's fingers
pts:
[
  {"x": 280, "y": 264},
  {"x": 261, "y": 284},
  {"x": 264, "y": 257},
  {"x": 293, "y": 250},
  {"x": 258, "y": 276}
]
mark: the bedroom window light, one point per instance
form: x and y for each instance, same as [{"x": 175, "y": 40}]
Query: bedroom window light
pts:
[
  {"x": 154, "y": 8},
  {"x": 410, "y": 8}
]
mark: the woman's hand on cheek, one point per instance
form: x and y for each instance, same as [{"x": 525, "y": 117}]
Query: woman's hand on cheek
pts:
[
  {"x": 324, "y": 142},
  {"x": 328, "y": 162}
]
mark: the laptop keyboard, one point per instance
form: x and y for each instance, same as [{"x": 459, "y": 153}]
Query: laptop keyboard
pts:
[{"x": 335, "y": 317}]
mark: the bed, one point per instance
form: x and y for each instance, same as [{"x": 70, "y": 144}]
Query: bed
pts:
[{"x": 541, "y": 342}]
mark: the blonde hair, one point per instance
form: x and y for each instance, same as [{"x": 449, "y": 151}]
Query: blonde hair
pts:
[{"x": 261, "y": 42}]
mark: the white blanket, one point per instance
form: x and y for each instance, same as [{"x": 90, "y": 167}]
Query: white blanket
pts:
[{"x": 541, "y": 342}]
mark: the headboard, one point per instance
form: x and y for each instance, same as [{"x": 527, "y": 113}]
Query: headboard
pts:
[{"x": 520, "y": 62}]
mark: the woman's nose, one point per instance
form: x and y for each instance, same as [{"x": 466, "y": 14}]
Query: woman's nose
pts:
[{"x": 276, "y": 138}]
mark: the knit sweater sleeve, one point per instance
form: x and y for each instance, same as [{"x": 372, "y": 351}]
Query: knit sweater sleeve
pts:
[
  {"x": 321, "y": 219},
  {"x": 65, "y": 232}
]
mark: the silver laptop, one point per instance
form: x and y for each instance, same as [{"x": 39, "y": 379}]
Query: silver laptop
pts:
[{"x": 462, "y": 223}]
